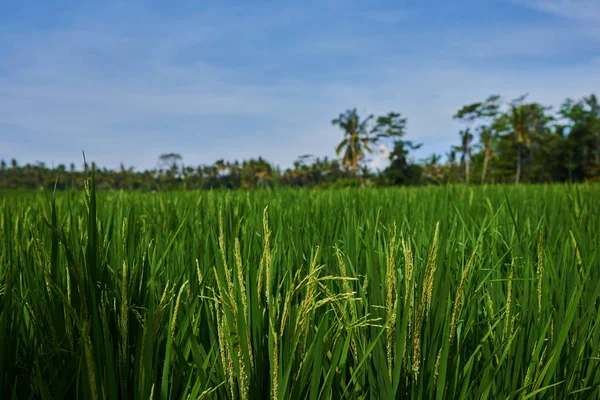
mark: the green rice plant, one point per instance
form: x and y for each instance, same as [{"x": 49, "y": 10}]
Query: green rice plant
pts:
[{"x": 433, "y": 292}]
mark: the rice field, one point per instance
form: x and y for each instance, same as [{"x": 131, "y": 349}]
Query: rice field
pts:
[{"x": 434, "y": 292}]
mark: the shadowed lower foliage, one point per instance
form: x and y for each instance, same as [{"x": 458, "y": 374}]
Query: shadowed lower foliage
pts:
[{"x": 436, "y": 292}]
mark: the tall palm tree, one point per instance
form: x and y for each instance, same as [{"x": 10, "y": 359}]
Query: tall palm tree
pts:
[
  {"x": 465, "y": 149},
  {"x": 519, "y": 121},
  {"x": 356, "y": 138},
  {"x": 523, "y": 119},
  {"x": 481, "y": 111},
  {"x": 528, "y": 121},
  {"x": 487, "y": 137}
]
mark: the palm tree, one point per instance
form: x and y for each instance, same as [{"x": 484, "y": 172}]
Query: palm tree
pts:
[
  {"x": 356, "y": 138},
  {"x": 523, "y": 119},
  {"x": 528, "y": 121},
  {"x": 594, "y": 123},
  {"x": 482, "y": 112},
  {"x": 487, "y": 138},
  {"x": 518, "y": 120},
  {"x": 431, "y": 168},
  {"x": 465, "y": 149},
  {"x": 170, "y": 163}
]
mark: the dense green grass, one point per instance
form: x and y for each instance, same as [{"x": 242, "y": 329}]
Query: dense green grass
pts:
[{"x": 449, "y": 292}]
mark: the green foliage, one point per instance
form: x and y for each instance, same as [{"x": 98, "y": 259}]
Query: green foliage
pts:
[
  {"x": 346, "y": 183},
  {"x": 356, "y": 138},
  {"x": 401, "y": 171},
  {"x": 433, "y": 292},
  {"x": 502, "y": 142},
  {"x": 391, "y": 125}
]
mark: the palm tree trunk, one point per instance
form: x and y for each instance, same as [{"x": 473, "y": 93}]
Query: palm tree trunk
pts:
[
  {"x": 485, "y": 164},
  {"x": 467, "y": 170},
  {"x": 518, "y": 174}
]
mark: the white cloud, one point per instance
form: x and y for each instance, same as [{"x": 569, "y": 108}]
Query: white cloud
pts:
[
  {"x": 380, "y": 158},
  {"x": 114, "y": 122},
  {"x": 127, "y": 97}
]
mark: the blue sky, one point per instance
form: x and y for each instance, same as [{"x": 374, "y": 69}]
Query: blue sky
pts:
[{"x": 128, "y": 80}]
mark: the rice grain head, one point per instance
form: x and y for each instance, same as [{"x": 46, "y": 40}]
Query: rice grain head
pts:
[
  {"x": 426, "y": 298},
  {"x": 540, "y": 269},
  {"x": 391, "y": 300},
  {"x": 265, "y": 262},
  {"x": 240, "y": 276},
  {"x": 459, "y": 293},
  {"x": 509, "y": 301}
]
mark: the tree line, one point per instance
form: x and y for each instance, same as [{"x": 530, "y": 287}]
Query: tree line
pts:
[{"x": 500, "y": 142}]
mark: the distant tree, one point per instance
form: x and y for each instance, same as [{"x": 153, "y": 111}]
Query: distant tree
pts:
[
  {"x": 489, "y": 108},
  {"x": 452, "y": 173},
  {"x": 526, "y": 120},
  {"x": 356, "y": 138},
  {"x": 582, "y": 127},
  {"x": 465, "y": 151},
  {"x": 392, "y": 125},
  {"x": 476, "y": 112},
  {"x": 521, "y": 142},
  {"x": 451, "y": 156},
  {"x": 401, "y": 171},
  {"x": 256, "y": 173},
  {"x": 488, "y": 137},
  {"x": 221, "y": 167},
  {"x": 433, "y": 170},
  {"x": 170, "y": 162},
  {"x": 392, "y": 128}
]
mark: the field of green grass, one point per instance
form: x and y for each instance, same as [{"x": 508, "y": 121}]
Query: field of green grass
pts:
[{"x": 435, "y": 292}]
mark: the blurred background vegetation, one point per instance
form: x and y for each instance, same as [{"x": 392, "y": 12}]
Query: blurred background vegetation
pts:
[{"x": 502, "y": 141}]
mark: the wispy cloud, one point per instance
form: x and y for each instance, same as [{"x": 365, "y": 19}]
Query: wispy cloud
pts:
[
  {"x": 214, "y": 84},
  {"x": 578, "y": 9}
]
